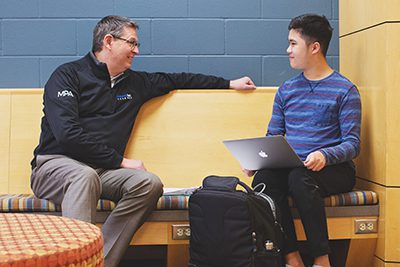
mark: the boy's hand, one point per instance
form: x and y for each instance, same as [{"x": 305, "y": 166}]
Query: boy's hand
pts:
[
  {"x": 249, "y": 173},
  {"x": 315, "y": 161}
]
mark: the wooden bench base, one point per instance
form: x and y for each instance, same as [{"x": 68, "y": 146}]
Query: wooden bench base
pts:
[{"x": 359, "y": 248}]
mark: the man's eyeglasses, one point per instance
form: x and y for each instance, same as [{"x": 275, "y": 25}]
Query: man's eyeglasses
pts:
[{"x": 132, "y": 44}]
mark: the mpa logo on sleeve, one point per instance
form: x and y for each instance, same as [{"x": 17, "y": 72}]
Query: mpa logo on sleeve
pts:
[{"x": 64, "y": 93}]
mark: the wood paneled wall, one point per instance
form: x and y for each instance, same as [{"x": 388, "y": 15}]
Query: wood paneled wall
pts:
[
  {"x": 4, "y": 141},
  {"x": 178, "y": 136},
  {"x": 370, "y": 57}
]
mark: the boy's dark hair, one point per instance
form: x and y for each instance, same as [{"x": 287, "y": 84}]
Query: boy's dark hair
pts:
[{"x": 314, "y": 28}]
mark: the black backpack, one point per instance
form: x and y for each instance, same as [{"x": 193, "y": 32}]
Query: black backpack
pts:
[{"x": 233, "y": 228}]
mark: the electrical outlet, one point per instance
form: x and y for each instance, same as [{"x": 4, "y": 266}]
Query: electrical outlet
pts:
[
  {"x": 180, "y": 232},
  {"x": 365, "y": 226}
]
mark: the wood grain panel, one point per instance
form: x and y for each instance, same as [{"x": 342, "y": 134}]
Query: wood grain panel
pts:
[
  {"x": 178, "y": 255},
  {"x": 381, "y": 191},
  {"x": 26, "y": 109},
  {"x": 5, "y": 103},
  {"x": 377, "y": 262},
  {"x": 392, "y": 60},
  {"x": 392, "y": 217},
  {"x": 370, "y": 60},
  {"x": 358, "y": 247},
  {"x": 184, "y": 130},
  {"x": 380, "y": 263},
  {"x": 179, "y": 137},
  {"x": 338, "y": 228},
  {"x": 388, "y": 246},
  {"x": 355, "y": 15},
  {"x": 362, "y": 62},
  {"x": 151, "y": 233}
]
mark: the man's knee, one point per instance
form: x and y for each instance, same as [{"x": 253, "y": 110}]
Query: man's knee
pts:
[
  {"x": 150, "y": 184},
  {"x": 87, "y": 179},
  {"x": 154, "y": 183}
]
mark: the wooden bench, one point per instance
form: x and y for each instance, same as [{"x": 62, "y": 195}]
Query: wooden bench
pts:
[{"x": 179, "y": 137}]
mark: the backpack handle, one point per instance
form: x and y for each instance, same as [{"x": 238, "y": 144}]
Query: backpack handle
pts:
[
  {"x": 227, "y": 183},
  {"x": 246, "y": 187}
]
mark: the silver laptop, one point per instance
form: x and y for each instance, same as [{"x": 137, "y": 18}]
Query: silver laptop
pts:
[{"x": 264, "y": 152}]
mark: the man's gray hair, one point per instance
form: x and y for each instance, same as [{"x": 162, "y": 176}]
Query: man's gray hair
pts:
[{"x": 113, "y": 25}]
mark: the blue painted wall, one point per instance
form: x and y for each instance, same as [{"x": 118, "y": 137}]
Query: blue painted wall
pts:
[{"x": 229, "y": 38}]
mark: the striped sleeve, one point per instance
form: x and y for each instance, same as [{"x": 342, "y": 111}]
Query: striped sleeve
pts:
[
  {"x": 350, "y": 124},
  {"x": 276, "y": 125}
]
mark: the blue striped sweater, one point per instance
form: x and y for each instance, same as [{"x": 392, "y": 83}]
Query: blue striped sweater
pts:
[{"x": 322, "y": 115}]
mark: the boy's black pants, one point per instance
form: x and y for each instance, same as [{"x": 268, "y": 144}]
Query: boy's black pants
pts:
[{"x": 307, "y": 188}]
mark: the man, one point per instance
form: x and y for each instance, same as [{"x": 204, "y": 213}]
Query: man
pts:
[
  {"x": 319, "y": 112},
  {"x": 90, "y": 106}
]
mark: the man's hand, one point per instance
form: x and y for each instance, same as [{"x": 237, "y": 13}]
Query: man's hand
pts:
[
  {"x": 244, "y": 83},
  {"x": 315, "y": 161},
  {"x": 249, "y": 173},
  {"x": 133, "y": 164}
]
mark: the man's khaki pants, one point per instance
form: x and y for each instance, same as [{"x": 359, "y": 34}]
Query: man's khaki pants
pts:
[{"x": 78, "y": 187}]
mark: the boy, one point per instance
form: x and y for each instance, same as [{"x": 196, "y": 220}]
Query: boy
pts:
[{"x": 319, "y": 112}]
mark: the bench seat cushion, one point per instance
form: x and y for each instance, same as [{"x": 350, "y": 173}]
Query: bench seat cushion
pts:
[{"x": 28, "y": 203}]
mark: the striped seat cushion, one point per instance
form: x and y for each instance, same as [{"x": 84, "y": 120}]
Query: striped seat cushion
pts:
[
  {"x": 353, "y": 198},
  {"x": 28, "y": 203}
]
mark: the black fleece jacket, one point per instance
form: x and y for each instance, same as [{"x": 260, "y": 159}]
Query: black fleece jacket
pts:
[{"x": 90, "y": 121}]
